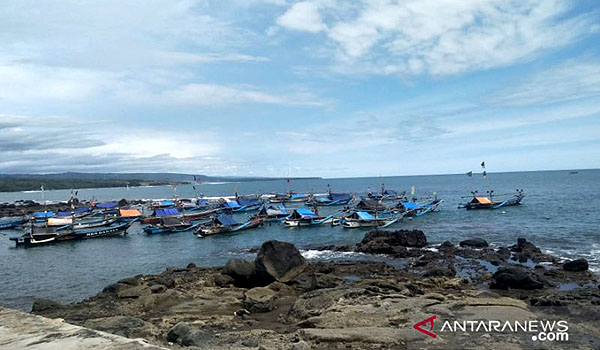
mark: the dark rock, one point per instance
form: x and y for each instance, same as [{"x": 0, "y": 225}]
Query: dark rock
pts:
[
  {"x": 439, "y": 271},
  {"x": 404, "y": 238},
  {"x": 503, "y": 252},
  {"x": 113, "y": 288},
  {"x": 526, "y": 250},
  {"x": 447, "y": 245},
  {"x": 131, "y": 281},
  {"x": 222, "y": 280},
  {"x": 191, "y": 266},
  {"x": 197, "y": 337},
  {"x": 474, "y": 243},
  {"x": 576, "y": 265},
  {"x": 44, "y": 305},
  {"x": 177, "y": 332},
  {"x": 280, "y": 261},
  {"x": 243, "y": 272},
  {"x": 157, "y": 288},
  {"x": 513, "y": 278},
  {"x": 259, "y": 299}
]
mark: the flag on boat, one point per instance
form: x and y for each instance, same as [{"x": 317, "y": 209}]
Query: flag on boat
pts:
[{"x": 412, "y": 190}]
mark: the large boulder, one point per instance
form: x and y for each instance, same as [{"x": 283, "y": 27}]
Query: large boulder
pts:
[
  {"x": 513, "y": 278},
  {"x": 243, "y": 272},
  {"x": 393, "y": 243},
  {"x": 526, "y": 250},
  {"x": 404, "y": 238},
  {"x": 259, "y": 299},
  {"x": 576, "y": 265},
  {"x": 474, "y": 243},
  {"x": 280, "y": 261}
]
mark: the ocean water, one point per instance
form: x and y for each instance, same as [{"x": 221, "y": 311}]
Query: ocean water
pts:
[{"x": 560, "y": 214}]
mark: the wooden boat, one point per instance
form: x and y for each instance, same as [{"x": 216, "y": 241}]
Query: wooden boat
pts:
[
  {"x": 414, "y": 209},
  {"x": 226, "y": 224},
  {"x": 306, "y": 217},
  {"x": 170, "y": 225},
  {"x": 290, "y": 197},
  {"x": 488, "y": 201},
  {"x": 385, "y": 194},
  {"x": 272, "y": 213},
  {"x": 9, "y": 223},
  {"x": 363, "y": 219},
  {"x": 330, "y": 199},
  {"x": 47, "y": 235}
]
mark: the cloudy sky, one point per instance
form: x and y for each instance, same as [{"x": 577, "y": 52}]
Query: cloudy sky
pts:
[{"x": 320, "y": 87}]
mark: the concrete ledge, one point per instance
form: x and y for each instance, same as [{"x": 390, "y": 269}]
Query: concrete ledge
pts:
[{"x": 19, "y": 330}]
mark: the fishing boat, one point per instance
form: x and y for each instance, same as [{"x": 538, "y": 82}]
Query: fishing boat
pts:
[
  {"x": 170, "y": 225},
  {"x": 307, "y": 217},
  {"x": 47, "y": 235},
  {"x": 330, "y": 199},
  {"x": 76, "y": 213},
  {"x": 272, "y": 213},
  {"x": 385, "y": 194},
  {"x": 363, "y": 219},
  {"x": 290, "y": 197},
  {"x": 8, "y": 223},
  {"x": 43, "y": 216},
  {"x": 226, "y": 224},
  {"x": 414, "y": 209},
  {"x": 489, "y": 202}
]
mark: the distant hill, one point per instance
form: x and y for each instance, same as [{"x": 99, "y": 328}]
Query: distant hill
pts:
[{"x": 28, "y": 182}]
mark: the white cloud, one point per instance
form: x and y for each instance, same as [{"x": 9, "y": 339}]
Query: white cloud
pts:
[
  {"x": 571, "y": 80},
  {"x": 303, "y": 16},
  {"x": 440, "y": 37}
]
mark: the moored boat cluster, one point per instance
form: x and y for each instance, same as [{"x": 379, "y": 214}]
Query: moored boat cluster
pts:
[{"x": 207, "y": 216}]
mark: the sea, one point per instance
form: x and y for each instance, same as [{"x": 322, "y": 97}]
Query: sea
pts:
[{"x": 560, "y": 214}]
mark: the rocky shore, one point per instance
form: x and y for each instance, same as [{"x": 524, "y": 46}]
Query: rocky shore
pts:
[{"x": 281, "y": 301}]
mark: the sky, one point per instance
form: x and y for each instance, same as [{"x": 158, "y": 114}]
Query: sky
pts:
[{"x": 328, "y": 88}]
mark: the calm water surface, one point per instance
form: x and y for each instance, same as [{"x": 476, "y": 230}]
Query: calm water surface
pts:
[{"x": 560, "y": 214}]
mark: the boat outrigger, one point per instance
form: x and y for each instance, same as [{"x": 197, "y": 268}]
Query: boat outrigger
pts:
[
  {"x": 488, "y": 201},
  {"x": 414, "y": 209},
  {"x": 6, "y": 224}
]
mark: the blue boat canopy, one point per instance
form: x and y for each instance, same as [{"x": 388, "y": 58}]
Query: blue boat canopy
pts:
[
  {"x": 166, "y": 212},
  {"x": 231, "y": 204},
  {"x": 165, "y": 202},
  {"x": 244, "y": 202},
  {"x": 305, "y": 213},
  {"x": 226, "y": 220},
  {"x": 364, "y": 215},
  {"x": 44, "y": 214},
  {"x": 297, "y": 195},
  {"x": 411, "y": 205},
  {"x": 107, "y": 205},
  {"x": 202, "y": 202},
  {"x": 340, "y": 196}
]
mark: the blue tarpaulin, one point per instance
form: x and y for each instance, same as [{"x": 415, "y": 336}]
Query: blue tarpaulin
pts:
[
  {"x": 305, "y": 213},
  {"x": 166, "y": 203},
  {"x": 107, "y": 205},
  {"x": 202, "y": 202},
  {"x": 226, "y": 220},
  {"x": 44, "y": 214},
  {"x": 166, "y": 212},
  {"x": 340, "y": 196},
  {"x": 364, "y": 215},
  {"x": 248, "y": 202},
  {"x": 411, "y": 205},
  {"x": 231, "y": 204}
]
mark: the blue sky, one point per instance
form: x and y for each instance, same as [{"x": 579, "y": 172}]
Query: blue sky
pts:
[{"x": 307, "y": 88}]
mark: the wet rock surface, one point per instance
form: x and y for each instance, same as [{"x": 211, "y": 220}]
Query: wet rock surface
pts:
[{"x": 346, "y": 305}]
